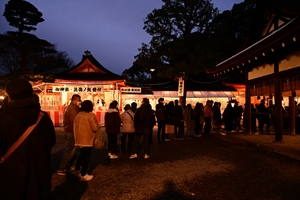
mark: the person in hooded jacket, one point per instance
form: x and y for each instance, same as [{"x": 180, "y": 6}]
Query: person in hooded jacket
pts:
[
  {"x": 112, "y": 125},
  {"x": 25, "y": 174}
]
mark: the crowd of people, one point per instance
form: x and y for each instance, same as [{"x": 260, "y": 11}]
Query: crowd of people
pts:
[
  {"x": 263, "y": 114},
  {"x": 135, "y": 124},
  {"x": 29, "y": 163},
  {"x": 21, "y": 109}
]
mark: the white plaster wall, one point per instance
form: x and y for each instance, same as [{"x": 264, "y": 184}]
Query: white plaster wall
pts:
[
  {"x": 291, "y": 61},
  {"x": 260, "y": 71}
]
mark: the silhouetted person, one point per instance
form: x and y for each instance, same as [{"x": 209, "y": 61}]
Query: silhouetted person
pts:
[
  {"x": 25, "y": 174},
  {"x": 261, "y": 115},
  {"x": 207, "y": 117},
  {"x": 228, "y": 118},
  {"x": 161, "y": 118},
  {"x": 178, "y": 121},
  {"x": 144, "y": 118}
]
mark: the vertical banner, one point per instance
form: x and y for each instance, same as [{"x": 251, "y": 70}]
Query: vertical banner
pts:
[{"x": 180, "y": 87}]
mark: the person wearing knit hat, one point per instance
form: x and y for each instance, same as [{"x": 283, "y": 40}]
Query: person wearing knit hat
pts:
[
  {"x": 19, "y": 89},
  {"x": 29, "y": 164}
]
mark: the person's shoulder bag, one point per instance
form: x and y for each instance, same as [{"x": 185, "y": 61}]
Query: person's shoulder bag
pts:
[{"x": 21, "y": 139}]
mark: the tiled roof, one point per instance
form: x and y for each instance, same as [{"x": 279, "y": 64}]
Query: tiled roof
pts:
[{"x": 88, "y": 69}]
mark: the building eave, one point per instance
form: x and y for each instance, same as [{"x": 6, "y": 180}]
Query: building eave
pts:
[{"x": 287, "y": 34}]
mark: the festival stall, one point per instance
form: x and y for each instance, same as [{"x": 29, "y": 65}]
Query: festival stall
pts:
[{"x": 90, "y": 80}]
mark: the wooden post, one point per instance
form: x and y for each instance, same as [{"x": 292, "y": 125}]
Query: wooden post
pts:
[
  {"x": 278, "y": 110},
  {"x": 247, "y": 112},
  {"x": 292, "y": 126}
]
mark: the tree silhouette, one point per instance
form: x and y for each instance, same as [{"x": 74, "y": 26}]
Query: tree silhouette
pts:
[
  {"x": 22, "y": 15},
  {"x": 21, "y": 52},
  {"x": 179, "y": 37},
  {"x": 188, "y": 36}
]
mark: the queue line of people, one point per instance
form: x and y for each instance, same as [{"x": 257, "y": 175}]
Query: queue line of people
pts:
[
  {"x": 21, "y": 110},
  {"x": 80, "y": 124}
]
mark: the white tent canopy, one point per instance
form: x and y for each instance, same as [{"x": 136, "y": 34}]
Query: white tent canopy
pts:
[{"x": 195, "y": 94}]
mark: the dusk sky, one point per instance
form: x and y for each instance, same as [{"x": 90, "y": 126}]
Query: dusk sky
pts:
[{"x": 112, "y": 30}]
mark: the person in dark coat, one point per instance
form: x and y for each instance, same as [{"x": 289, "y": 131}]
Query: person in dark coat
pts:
[
  {"x": 144, "y": 119},
  {"x": 228, "y": 117},
  {"x": 217, "y": 117},
  {"x": 169, "y": 120},
  {"x": 25, "y": 174},
  {"x": 178, "y": 121},
  {"x": 261, "y": 115},
  {"x": 238, "y": 113},
  {"x": 207, "y": 113},
  {"x": 112, "y": 125},
  {"x": 160, "y": 113}
]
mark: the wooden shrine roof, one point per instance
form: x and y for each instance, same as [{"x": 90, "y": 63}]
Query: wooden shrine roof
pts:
[{"x": 89, "y": 69}]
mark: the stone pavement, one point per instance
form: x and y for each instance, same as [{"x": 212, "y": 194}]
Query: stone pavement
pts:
[{"x": 288, "y": 147}]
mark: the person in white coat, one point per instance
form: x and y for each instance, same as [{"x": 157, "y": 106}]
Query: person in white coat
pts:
[{"x": 128, "y": 129}]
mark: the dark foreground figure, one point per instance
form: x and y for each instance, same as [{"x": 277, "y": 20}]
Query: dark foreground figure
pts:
[{"x": 25, "y": 174}]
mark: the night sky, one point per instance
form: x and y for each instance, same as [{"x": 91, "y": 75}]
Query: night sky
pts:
[{"x": 112, "y": 30}]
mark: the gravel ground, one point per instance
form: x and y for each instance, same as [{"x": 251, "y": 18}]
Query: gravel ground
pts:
[{"x": 199, "y": 168}]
